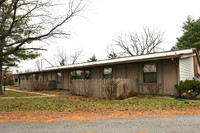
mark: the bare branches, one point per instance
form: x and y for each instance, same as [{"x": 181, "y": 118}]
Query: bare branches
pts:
[
  {"x": 39, "y": 23},
  {"x": 138, "y": 44},
  {"x": 111, "y": 54},
  {"x": 49, "y": 62},
  {"x": 62, "y": 57},
  {"x": 74, "y": 57},
  {"x": 38, "y": 65}
]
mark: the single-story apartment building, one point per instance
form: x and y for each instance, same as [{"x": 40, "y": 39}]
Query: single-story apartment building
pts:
[{"x": 163, "y": 69}]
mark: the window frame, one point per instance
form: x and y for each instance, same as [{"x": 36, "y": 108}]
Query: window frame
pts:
[
  {"x": 75, "y": 75},
  {"x": 89, "y": 77},
  {"x": 59, "y": 78},
  {"x": 107, "y": 76},
  {"x": 36, "y": 76},
  {"x": 45, "y": 76},
  {"x": 153, "y": 75}
]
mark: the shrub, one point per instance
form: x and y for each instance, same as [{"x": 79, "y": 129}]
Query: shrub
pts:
[
  {"x": 153, "y": 89},
  {"x": 111, "y": 88},
  {"x": 122, "y": 96},
  {"x": 132, "y": 93},
  {"x": 188, "y": 85}
]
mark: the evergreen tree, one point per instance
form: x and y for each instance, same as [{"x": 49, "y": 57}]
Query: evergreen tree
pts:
[
  {"x": 112, "y": 55},
  {"x": 191, "y": 35},
  {"x": 93, "y": 58}
]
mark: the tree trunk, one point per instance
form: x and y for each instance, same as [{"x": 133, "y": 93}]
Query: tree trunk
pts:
[
  {"x": 1, "y": 67},
  {"x": 1, "y": 71}
]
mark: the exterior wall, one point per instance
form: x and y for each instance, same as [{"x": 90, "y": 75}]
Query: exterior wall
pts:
[
  {"x": 170, "y": 75},
  {"x": 96, "y": 72},
  {"x": 144, "y": 87},
  {"x": 133, "y": 73},
  {"x": 120, "y": 71},
  {"x": 186, "y": 67},
  {"x": 59, "y": 85},
  {"x": 66, "y": 79},
  {"x": 49, "y": 76},
  {"x": 52, "y": 75},
  {"x": 167, "y": 76}
]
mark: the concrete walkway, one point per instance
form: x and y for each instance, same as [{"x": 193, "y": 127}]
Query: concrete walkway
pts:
[{"x": 38, "y": 93}]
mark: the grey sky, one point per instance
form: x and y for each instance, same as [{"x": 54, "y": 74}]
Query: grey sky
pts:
[{"x": 105, "y": 19}]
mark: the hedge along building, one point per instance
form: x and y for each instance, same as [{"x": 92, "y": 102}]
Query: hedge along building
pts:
[{"x": 163, "y": 70}]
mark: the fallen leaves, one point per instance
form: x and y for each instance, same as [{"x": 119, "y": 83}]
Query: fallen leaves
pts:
[{"x": 52, "y": 116}]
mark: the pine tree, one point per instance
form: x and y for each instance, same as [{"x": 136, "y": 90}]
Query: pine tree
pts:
[
  {"x": 93, "y": 58},
  {"x": 191, "y": 35}
]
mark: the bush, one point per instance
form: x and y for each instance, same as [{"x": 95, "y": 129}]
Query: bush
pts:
[
  {"x": 188, "y": 85},
  {"x": 122, "y": 96},
  {"x": 153, "y": 89},
  {"x": 111, "y": 88},
  {"x": 132, "y": 93}
]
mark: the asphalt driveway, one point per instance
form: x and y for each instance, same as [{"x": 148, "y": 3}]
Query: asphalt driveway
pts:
[{"x": 180, "y": 124}]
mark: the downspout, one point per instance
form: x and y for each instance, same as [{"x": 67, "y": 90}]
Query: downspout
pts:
[{"x": 174, "y": 62}]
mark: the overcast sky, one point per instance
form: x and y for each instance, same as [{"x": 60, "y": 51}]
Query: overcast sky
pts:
[{"x": 105, "y": 19}]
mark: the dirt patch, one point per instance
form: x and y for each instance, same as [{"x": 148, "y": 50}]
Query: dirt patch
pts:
[{"x": 52, "y": 116}]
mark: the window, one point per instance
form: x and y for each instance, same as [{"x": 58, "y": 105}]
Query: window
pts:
[
  {"x": 107, "y": 73},
  {"x": 59, "y": 77},
  {"x": 26, "y": 77},
  {"x": 80, "y": 74},
  {"x": 87, "y": 74},
  {"x": 149, "y": 73},
  {"x": 23, "y": 77},
  {"x": 31, "y": 77},
  {"x": 16, "y": 79},
  {"x": 45, "y": 76},
  {"x": 73, "y": 74},
  {"x": 77, "y": 74},
  {"x": 36, "y": 76}
]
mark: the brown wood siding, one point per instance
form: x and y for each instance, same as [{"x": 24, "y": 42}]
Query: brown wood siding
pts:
[
  {"x": 170, "y": 76},
  {"x": 96, "y": 73},
  {"x": 120, "y": 71},
  {"x": 66, "y": 76},
  {"x": 167, "y": 75},
  {"x": 132, "y": 73}
]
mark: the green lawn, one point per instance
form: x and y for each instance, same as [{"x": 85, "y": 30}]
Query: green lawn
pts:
[
  {"x": 74, "y": 103},
  {"x": 17, "y": 94}
]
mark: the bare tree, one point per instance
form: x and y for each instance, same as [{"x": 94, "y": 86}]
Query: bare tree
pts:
[
  {"x": 138, "y": 44},
  {"x": 111, "y": 54},
  {"x": 62, "y": 57},
  {"x": 49, "y": 62},
  {"x": 25, "y": 21},
  {"x": 38, "y": 64},
  {"x": 76, "y": 55}
]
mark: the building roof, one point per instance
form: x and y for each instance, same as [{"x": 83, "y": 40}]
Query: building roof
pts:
[{"x": 140, "y": 58}]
